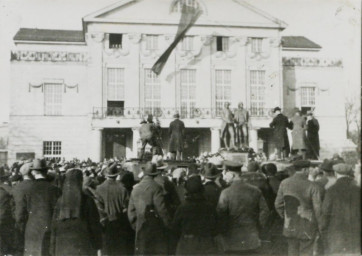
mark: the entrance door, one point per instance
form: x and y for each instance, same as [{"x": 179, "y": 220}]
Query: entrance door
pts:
[{"x": 116, "y": 143}]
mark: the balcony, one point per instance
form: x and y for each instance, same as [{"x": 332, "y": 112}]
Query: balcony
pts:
[{"x": 167, "y": 113}]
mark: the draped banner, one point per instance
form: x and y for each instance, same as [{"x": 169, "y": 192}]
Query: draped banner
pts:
[{"x": 189, "y": 16}]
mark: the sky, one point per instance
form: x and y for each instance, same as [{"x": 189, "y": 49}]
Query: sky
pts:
[{"x": 333, "y": 24}]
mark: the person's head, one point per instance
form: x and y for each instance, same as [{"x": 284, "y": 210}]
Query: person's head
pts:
[
  {"x": 25, "y": 171},
  {"x": 194, "y": 187},
  {"x": 209, "y": 171},
  {"x": 73, "y": 177},
  {"x": 327, "y": 167},
  {"x": 39, "y": 168},
  {"x": 151, "y": 170},
  {"x": 150, "y": 118},
  {"x": 297, "y": 113},
  {"x": 277, "y": 110},
  {"x": 111, "y": 171},
  {"x": 253, "y": 166},
  {"x": 158, "y": 161},
  {"x": 176, "y": 116},
  {"x": 302, "y": 166},
  {"x": 343, "y": 170},
  {"x": 241, "y": 105},
  {"x": 269, "y": 169},
  {"x": 227, "y": 105},
  {"x": 232, "y": 171}
]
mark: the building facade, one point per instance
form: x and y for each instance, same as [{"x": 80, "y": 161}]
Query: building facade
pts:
[{"x": 83, "y": 93}]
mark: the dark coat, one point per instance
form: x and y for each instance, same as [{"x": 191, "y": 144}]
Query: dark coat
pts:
[
  {"x": 81, "y": 236},
  {"x": 195, "y": 223},
  {"x": 313, "y": 138},
  {"x": 171, "y": 197},
  {"x": 242, "y": 211},
  {"x": 149, "y": 217},
  {"x": 299, "y": 203},
  {"x": 7, "y": 223},
  {"x": 212, "y": 193},
  {"x": 117, "y": 234},
  {"x": 341, "y": 218},
  {"x": 280, "y": 124},
  {"x": 40, "y": 204},
  {"x": 176, "y": 132}
]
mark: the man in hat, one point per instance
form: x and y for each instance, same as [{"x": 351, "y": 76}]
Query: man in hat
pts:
[
  {"x": 148, "y": 214},
  {"x": 20, "y": 193},
  {"x": 211, "y": 190},
  {"x": 227, "y": 127},
  {"x": 242, "y": 211},
  {"x": 299, "y": 203},
  {"x": 112, "y": 202},
  {"x": 7, "y": 223},
  {"x": 312, "y": 136},
  {"x": 341, "y": 215},
  {"x": 328, "y": 178},
  {"x": 176, "y": 133},
  {"x": 39, "y": 205},
  {"x": 241, "y": 117},
  {"x": 280, "y": 124}
]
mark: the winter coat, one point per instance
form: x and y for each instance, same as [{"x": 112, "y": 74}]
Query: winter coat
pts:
[
  {"x": 313, "y": 138},
  {"x": 280, "y": 124},
  {"x": 171, "y": 197},
  {"x": 78, "y": 236},
  {"x": 212, "y": 193},
  {"x": 40, "y": 204},
  {"x": 299, "y": 203},
  {"x": 149, "y": 217},
  {"x": 195, "y": 223},
  {"x": 176, "y": 133},
  {"x": 298, "y": 133},
  {"x": 117, "y": 233},
  {"x": 7, "y": 223},
  {"x": 242, "y": 211},
  {"x": 341, "y": 218}
]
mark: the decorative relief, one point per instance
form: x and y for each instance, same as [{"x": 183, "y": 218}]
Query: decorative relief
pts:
[
  {"x": 71, "y": 86},
  {"x": 153, "y": 53},
  {"x": 40, "y": 85},
  {"x": 207, "y": 40},
  {"x": 134, "y": 38},
  {"x": 234, "y": 42},
  {"x": 116, "y": 52},
  {"x": 36, "y": 85},
  {"x": 191, "y": 54},
  {"x": 96, "y": 37},
  {"x": 52, "y": 56},
  {"x": 312, "y": 62},
  {"x": 275, "y": 42},
  {"x": 264, "y": 54}
]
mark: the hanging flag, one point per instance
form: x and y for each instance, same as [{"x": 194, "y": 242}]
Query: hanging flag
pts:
[{"x": 189, "y": 16}]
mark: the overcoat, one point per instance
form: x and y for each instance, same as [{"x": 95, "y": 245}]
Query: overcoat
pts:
[
  {"x": 176, "y": 133},
  {"x": 7, "y": 223},
  {"x": 341, "y": 218},
  {"x": 280, "y": 124},
  {"x": 299, "y": 203},
  {"x": 212, "y": 193},
  {"x": 40, "y": 204},
  {"x": 298, "y": 133},
  {"x": 195, "y": 223},
  {"x": 313, "y": 138},
  {"x": 242, "y": 211},
  {"x": 149, "y": 217},
  {"x": 78, "y": 236},
  {"x": 117, "y": 234}
]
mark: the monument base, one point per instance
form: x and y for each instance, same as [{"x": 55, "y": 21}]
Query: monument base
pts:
[{"x": 238, "y": 157}]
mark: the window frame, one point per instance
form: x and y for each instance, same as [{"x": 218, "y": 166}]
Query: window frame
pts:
[
  {"x": 54, "y": 150},
  {"x": 152, "y": 42},
  {"x": 110, "y": 45},
  {"x": 257, "y": 85},
  {"x": 225, "y": 43},
  {"x": 155, "y": 102},
  {"x": 224, "y": 85},
  {"x": 257, "y": 47},
  {"x": 187, "y": 43},
  {"x": 50, "y": 106},
  {"x": 188, "y": 103},
  {"x": 308, "y": 99}
]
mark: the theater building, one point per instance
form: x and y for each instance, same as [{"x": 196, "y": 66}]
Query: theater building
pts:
[{"x": 83, "y": 93}]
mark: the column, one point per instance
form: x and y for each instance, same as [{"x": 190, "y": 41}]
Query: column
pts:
[
  {"x": 215, "y": 139},
  {"x": 253, "y": 139},
  {"x": 96, "y": 144},
  {"x": 136, "y": 139}
]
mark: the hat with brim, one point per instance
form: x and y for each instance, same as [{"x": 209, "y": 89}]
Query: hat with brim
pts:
[
  {"x": 158, "y": 161},
  {"x": 111, "y": 171},
  {"x": 210, "y": 171},
  {"x": 38, "y": 165},
  {"x": 194, "y": 185},
  {"x": 300, "y": 164},
  {"x": 232, "y": 166},
  {"x": 151, "y": 169},
  {"x": 277, "y": 109},
  {"x": 327, "y": 166}
]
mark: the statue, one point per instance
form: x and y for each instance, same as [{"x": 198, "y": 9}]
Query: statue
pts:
[
  {"x": 241, "y": 116},
  {"x": 227, "y": 127},
  {"x": 150, "y": 133}
]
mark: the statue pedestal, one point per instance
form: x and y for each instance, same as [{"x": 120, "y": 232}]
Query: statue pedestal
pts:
[{"x": 238, "y": 157}]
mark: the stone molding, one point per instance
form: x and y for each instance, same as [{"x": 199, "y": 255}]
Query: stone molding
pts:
[{"x": 52, "y": 56}]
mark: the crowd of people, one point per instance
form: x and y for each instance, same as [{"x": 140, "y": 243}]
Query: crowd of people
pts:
[{"x": 215, "y": 207}]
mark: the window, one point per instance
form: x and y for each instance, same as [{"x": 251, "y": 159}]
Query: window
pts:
[
  {"x": 115, "y": 41},
  {"x": 222, "y": 44},
  {"x": 187, "y": 43},
  {"x": 256, "y": 45},
  {"x": 53, "y": 99},
  {"x": 115, "y": 84},
  {"x": 187, "y": 92},
  {"x": 152, "y": 42},
  {"x": 52, "y": 149},
  {"x": 223, "y": 89},
  {"x": 152, "y": 92},
  {"x": 179, "y": 3},
  {"x": 257, "y": 92},
  {"x": 307, "y": 96}
]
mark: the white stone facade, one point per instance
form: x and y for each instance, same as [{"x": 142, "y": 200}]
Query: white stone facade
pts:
[{"x": 83, "y": 122}]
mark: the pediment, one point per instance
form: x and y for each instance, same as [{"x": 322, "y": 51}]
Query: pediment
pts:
[{"x": 215, "y": 13}]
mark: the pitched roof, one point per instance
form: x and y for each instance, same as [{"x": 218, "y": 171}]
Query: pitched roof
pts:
[
  {"x": 300, "y": 42},
  {"x": 49, "y": 35}
]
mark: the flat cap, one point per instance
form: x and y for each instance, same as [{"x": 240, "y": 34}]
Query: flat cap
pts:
[
  {"x": 327, "y": 165},
  {"x": 343, "y": 169},
  {"x": 233, "y": 166},
  {"x": 301, "y": 164}
]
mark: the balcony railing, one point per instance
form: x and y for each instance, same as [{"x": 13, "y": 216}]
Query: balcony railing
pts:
[{"x": 189, "y": 113}]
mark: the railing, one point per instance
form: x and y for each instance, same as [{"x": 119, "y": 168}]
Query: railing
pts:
[{"x": 189, "y": 113}]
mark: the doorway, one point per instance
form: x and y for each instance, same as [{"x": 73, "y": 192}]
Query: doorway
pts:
[{"x": 116, "y": 142}]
